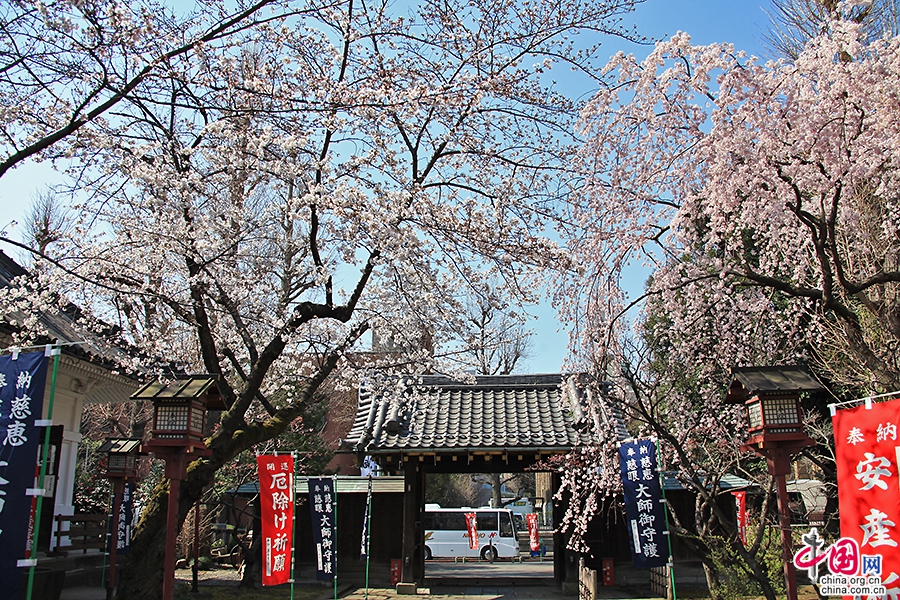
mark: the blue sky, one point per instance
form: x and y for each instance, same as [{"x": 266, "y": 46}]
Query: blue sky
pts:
[{"x": 740, "y": 22}]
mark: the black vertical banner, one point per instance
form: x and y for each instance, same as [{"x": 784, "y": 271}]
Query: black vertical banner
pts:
[
  {"x": 321, "y": 506},
  {"x": 22, "y": 379},
  {"x": 364, "y": 544},
  {"x": 122, "y": 536},
  {"x": 644, "y": 511}
]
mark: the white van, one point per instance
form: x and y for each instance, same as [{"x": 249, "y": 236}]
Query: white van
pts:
[{"x": 446, "y": 535}]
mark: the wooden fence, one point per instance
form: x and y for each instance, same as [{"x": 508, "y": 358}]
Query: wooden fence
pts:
[{"x": 84, "y": 531}]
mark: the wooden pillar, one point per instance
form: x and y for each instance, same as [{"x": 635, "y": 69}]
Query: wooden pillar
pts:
[
  {"x": 559, "y": 551},
  {"x": 419, "y": 562},
  {"x": 779, "y": 462},
  {"x": 411, "y": 516}
]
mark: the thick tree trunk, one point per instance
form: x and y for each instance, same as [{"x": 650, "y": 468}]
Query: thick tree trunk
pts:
[
  {"x": 496, "y": 496},
  {"x": 142, "y": 572},
  {"x": 253, "y": 554}
]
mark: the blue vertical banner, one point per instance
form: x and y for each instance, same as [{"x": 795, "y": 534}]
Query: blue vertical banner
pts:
[
  {"x": 645, "y": 515},
  {"x": 22, "y": 378},
  {"x": 122, "y": 535},
  {"x": 321, "y": 506}
]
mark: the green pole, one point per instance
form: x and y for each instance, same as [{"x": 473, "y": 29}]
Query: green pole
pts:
[
  {"x": 368, "y": 534},
  {"x": 54, "y": 352},
  {"x": 662, "y": 487}
]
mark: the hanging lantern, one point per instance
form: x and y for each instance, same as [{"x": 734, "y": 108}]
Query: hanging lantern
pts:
[{"x": 179, "y": 411}]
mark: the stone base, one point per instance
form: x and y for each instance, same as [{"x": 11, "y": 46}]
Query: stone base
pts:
[{"x": 407, "y": 589}]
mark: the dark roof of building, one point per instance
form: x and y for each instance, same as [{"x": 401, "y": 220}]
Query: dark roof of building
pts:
[
  {"x": 350, "y": 484},
  {"x": 672, "y": 482},
  {"x": 62, "y": 326},
  {"x": 751, "y": 381},
  {"x": 492, "y": 413},
  {"x": 120, "y": 446}
]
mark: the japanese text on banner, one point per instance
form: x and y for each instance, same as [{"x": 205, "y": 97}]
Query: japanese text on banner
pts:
[
  {"x": 21, "y": 402},
  {"x": 276, "y": 494},
  {"x": 534, "y": 534},
  {"x": 321, "y": 505},
  {"x": 644, "y": 512},
  {"x": 867, "y": 452}
]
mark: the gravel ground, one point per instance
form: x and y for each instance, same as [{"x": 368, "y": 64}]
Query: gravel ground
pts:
[{"x": 224, "y": 574}]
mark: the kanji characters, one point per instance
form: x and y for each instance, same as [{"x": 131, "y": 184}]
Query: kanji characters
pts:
[
  {"x": 20, "y": 408},
  {"x": 15, "y": 434},
  {"x": 276, "y": 485},
  {"x": 871, "y": 470},
  {"x": 321, "y": 504},
  {"x": 855, "y": 436},
  {"x": 885, "y": 431},
  {"x": 875, "y": 529}
]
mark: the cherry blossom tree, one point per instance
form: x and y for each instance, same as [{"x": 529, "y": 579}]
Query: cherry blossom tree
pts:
[
  {"x": 495, "y": 339},
  {"x": 761, "y": 195},
  {"x": 795, "y": 22},
  {"x": 64, "y": 63},
  {"x": 763, "y": 199},
  {"x": 255, "y": 205}
]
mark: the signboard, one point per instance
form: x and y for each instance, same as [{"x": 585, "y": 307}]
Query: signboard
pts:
[
  {"x": 321, "y": 506},
  {"x": 22, "y": 379},
  {"x": 867, "y": 453},
  {"x": 644, "y": 511},
  {"x": 534, "y": 533},
  {"x": 364, "y": 544},
  {"x": 472, "y": 528},
  {"x": 276, "y": 500},
  {"x": 126, "y": 519},
  {"x": 740, "y": 511}
]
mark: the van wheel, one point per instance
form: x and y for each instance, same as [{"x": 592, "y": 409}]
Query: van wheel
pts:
[
  {"x": 427, "y": 553},
  {"x": 489, "y": 553}
]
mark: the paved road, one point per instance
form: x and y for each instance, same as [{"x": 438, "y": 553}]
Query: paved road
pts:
[{"x": 445, "y": 580}]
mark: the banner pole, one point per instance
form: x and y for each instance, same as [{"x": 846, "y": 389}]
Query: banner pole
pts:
[
  {"x": 293, "y": 522},
  {"x": 54, "y": 352},
  {"x": 662, "y": 487},
  {"x": 368, "y": 533}
]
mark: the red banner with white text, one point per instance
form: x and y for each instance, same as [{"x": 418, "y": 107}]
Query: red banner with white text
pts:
[
  {"x": 276, "y": 497},
  {"x": 534, "y": 533},
  {"x": 740, "y": 512},
  {"x": 472, "y": 529},
  {"x": 868, "y": 469}
]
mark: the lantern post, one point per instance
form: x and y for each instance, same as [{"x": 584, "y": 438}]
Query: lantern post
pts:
[
  {"x": 179, "y": 425},
  {"x": 121, "y": 467},
  {"x": 771, "y": 396}
]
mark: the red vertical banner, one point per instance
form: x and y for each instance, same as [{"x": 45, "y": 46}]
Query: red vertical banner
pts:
[
  {"x": 276, "y": 496},
  {"x": 472, "y": 528},
  {"x": 534, "y": 535},
  {"x": 740, "y": 510},
  {"x": 868, "y": 470}
]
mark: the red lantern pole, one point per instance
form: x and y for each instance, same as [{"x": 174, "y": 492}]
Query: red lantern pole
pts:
[
  {"x": 779, "y": 462},
  {"x": 175, "y": 466}
]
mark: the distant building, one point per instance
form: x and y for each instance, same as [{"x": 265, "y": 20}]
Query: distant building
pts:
[{"x": 87, "y": 375}]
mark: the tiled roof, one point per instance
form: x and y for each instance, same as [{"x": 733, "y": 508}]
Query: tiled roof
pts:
[
  {"x": 62, "y": 326},
  {"x": 671, "y": 481},
  {"x": 750, "y": 381},
  {"x": 434, "y": 413}
]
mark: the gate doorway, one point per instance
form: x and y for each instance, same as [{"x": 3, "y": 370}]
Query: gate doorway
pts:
[{"x": 422, "y": 425}]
